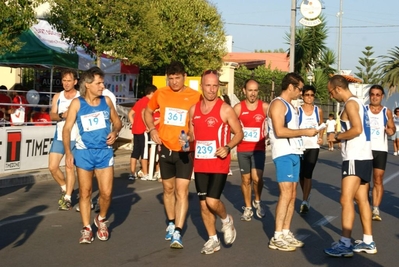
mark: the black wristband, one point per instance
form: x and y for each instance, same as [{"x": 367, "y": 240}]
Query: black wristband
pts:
[
  {"x": 60, "y": 115},
  {"x": 228, "y": 148}
]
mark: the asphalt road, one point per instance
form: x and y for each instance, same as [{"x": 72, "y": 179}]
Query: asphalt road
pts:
[{"x": 34, "y": 233}]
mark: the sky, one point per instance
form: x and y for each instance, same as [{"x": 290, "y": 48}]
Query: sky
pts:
[{"x": 364, "y": 23}]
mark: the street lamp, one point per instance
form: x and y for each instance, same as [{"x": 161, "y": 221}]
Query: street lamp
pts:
[{"x": 310, "y": 77}]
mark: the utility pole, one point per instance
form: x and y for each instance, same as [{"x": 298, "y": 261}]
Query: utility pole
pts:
[{"x": 292, "y": 39}]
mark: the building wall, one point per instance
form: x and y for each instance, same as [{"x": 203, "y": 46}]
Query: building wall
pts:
[{"x": 9, "y": 76}]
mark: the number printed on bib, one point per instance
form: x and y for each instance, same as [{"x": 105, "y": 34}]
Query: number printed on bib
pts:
[
  {"x": 375, "y": 128},
  {"x": 93, "y": 121},
  {"x": 205, "y": 149},
  {"x": 175, "y": 116},
  {"x": 251, "y": 134}
]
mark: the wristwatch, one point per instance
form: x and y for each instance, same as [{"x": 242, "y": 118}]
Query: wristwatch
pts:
[
  {"x": 228, "y": 148},
  {"x": 60, "y": 115}
]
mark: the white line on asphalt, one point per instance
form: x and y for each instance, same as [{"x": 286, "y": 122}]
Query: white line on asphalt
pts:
[
  {"x": 390, "y": 177},
  {"x": 323, "y": 221},
  {"x": 42, "y": 214}
]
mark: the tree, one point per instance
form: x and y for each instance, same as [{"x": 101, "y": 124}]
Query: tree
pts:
[
  {"x": 123, "y": 29},
  {"x": 194, "y": 35},
  {"x": 310, "y": 42},
  {"x": 17, "y": 16},
  {"x": 368, "y": 70},
  {"x": 389, "y": 68}
]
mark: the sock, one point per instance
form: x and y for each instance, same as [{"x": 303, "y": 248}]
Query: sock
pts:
[
  {"x": 286, "y": 231},
  {"x": 100, "y": 218},
  {"x": 214, "y": 237},
  {"x": 226, "y": 220},
  {"x": 171, "y": 221},
  {"x": 87, "y": 226},
  {"x": 257, "y": 201},
  {"x": 63, "y": 188},
  {"x": 375, "y": 208},
  {"x": 277, "y": 234},
  {"x": 178, "y": 229},
  {"x": 346, "y": 241},
  {"x": 367, "y": 239}
]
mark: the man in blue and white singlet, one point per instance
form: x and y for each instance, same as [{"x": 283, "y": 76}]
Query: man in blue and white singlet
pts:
[
  {"x": 382, "y": 126},
  {"x": 357, "y": 164},
  {"x": 287, "y": 146},
  {"x": 93, "y": 114},
  {"x": 58, "y": 113}
]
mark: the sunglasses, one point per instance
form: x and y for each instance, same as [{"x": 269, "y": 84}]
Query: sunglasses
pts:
[
  {"x": 209, "y": 72},
  {"x": 312, "y": 95}
]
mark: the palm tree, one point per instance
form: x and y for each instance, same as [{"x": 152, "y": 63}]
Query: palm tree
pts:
[{"x": 389, "y": 68}]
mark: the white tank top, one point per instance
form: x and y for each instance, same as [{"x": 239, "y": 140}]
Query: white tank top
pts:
[
  {"x": 62, "y": 106},
  {"x": 285, "y": 146},
  {"x": 378, "y": 122},
  {"x": 306, "y": 122},
  {"x": 359, "y": 147}
]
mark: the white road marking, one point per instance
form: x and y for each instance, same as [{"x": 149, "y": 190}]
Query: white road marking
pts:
[{"x": 323, "y": 221}]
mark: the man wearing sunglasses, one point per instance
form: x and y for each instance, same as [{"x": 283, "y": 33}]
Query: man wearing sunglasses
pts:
[
  {"x": 176, "y": 165},
  {"x": 382, "y": 126},
  {"x": 357, "y": 164},
  {"x": 287, "y": 146}
]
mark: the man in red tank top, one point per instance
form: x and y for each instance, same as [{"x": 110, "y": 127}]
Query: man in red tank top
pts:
[
  {"x": 210, "y": 123},
  {"x": 251, "y": 151}
]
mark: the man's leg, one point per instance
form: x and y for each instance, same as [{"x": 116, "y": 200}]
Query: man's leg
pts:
[
  {"x": 54, "y": 168},
  {"x": 257, "y": 176},
  {"x": 169, "y": 198},
  {"x": 349, "y": 187},
  {"x": 181, "y": 205},
  {"x": 362, "y": 201},
  {"x": 70, "y": 180},
  {"x": 378, "y": 186},
  {"x": 105, "y": 182},
  {"x": 246, "y": 189},
  {"x": 85, "y": 190},
  {"x": 285, "y": 205}
]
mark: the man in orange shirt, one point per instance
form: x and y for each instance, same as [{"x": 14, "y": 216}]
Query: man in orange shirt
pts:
[{"x": 173, "y": 102}]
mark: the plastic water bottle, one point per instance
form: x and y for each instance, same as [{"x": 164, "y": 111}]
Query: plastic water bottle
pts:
[{"x": 183, "y": 136}]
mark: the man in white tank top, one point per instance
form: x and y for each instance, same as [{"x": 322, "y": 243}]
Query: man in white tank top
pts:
[
  {"x": 287, "y": 146},
  {"x": 58, "y": 113},
  {"x": 382, "y": 126},
  {"x": 356, "y": 169}
]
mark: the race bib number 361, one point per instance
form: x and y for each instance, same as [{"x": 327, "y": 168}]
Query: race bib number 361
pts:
[
  {"x": 175, "y": 116},
  {"x": 93, "y": 121}
]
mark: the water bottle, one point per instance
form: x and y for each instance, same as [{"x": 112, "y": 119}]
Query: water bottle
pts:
[{"x": 183, "y": 136}]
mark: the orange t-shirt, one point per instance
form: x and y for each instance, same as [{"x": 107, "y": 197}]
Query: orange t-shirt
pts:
[{"x": 173, "y": 108}]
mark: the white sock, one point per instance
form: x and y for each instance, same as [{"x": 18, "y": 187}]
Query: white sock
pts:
[
  {"x": 226, "y": 220},
  {"x": 367, "y": 239},
  {"x": 67, "y": 197},
  {"x": 100, "y": 218},
  {"x": 88, "y": 226},
  {"x": 346, "y": 241},
  {"x": 214, "y": 237},
  {"x": 277, "y": 234},
  {"x": 63, "y": 188},
  {"x": 286, "y": 231}
]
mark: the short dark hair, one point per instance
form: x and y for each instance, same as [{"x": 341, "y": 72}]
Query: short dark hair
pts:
[
  {"x": 175, "y": 67},
  {"x": 331, "y": 115},
  {"x": 378, "y": 87},
  {"x": 308, "y": 88},
  {"x": 339, "y": 80},
  {"x": 291, "y": 78},
  {"x": 396, "y": 110},
  {"x": 69, "y": 71},
  {"x": 150, "y": 89}
]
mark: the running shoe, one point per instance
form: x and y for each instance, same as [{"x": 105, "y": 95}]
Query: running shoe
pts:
[
  {"x": 230, "y": 173},
  {"x": 229, "y": 232},
  {"x": 87, "y": 236},
  {"x": 280, "y": 244},
  {"x": 65, "y": 205},
  {"x": 61, "y": 198},
  {"x": 360, "y": 246},
  {"x": 176, "y": 240},
  {"x": 376, "y": 215},
  {"x": 145, "y": 178},
  {"x": 211, "y": 246},
  {"x": 157, "y": 175},
  {"x": 169, "y": 231},
  {"x": 305, "y": 206},
  {"x": 260, "y": 211},
  {"x": 140, "y": 174},
  {"x": 292, "y": 241},
  {"x": 338, "y": 249},
  {"x": 102, "y": 231},
  {"x": 247, "y": 214},
  {"x": 132, "y": 177}
]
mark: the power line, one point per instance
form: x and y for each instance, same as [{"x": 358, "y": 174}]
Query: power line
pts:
[{"x": 286, "y": 26}]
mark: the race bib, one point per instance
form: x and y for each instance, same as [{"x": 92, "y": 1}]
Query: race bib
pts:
[
  {"x": 93, "y": 121},
  {"x": 175, "y": 116},
  {"x": 251, "y": 134},
  {"x": 375, "y": 128},
  {"x": 205, "y": 149}
]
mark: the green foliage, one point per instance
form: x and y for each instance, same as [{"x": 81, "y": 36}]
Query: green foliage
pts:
[
  {"x": 280, "y": 50},
  {"x": 390, "y": 69},
  {"x": 149, "y": 33},
  {"x": 192, "y": 32},
  {"x": 266, "y": 77},
  {"x": 368, "y": 70},
  {"x": 16, "y": 17}
]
